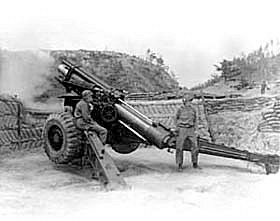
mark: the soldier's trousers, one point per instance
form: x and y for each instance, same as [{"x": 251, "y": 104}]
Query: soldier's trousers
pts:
[
  {"x": 185, "y": 134},
  {"x": 93, "y": 126}
]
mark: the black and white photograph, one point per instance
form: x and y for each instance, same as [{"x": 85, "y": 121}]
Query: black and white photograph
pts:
[{"x": 139, "y": 110}]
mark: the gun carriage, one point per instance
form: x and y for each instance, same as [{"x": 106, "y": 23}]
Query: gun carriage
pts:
[{"x": 127, "y": 129}]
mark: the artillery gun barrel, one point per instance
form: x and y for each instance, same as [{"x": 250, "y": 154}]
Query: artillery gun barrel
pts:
[
  {"x": 156, "y": 135},
  {"x": 136, "y": 112}
]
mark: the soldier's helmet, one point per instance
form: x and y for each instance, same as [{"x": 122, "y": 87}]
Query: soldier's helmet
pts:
[
  {"x": 86, "y": 93},
  {"x": 188, "y": 98}
]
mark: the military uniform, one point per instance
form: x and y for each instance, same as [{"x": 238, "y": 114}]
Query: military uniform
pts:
[
  {"x": 85, "y": 122},
  {"x": 185, "y": 124}
]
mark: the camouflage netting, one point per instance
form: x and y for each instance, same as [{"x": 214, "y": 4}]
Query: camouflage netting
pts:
[{"x": 17, "y": 130}]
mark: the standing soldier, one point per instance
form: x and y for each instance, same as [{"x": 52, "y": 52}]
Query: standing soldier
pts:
[
  {"x": 83, "y": 117},
  {"x": 186, "y": 124}
]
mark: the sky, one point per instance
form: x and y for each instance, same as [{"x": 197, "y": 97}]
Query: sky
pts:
[{"x": 191, "y": 36}]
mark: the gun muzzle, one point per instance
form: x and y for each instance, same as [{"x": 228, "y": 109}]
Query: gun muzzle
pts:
[{"x": 63, "y": 69}]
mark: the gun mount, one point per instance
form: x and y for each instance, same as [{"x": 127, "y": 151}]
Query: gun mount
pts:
[{"x": 127, "y": 127}]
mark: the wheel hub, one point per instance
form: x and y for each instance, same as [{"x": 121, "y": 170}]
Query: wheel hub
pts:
[{"x": 55, "y": 137}]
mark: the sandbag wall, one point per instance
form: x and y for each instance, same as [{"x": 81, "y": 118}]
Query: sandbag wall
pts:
[
  {"x": 271, "y": 119},
  {"x": 244, "y": 123},
  {"x": 251, "y": 123},
  {"x": 16, "y": 132}
]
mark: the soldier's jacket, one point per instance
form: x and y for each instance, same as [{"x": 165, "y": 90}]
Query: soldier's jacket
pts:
[
  {"x": 83, "y": 110},
  {"x": 186, "y": 116}
]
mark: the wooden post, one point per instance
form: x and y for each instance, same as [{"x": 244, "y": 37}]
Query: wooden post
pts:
[{"x": 206, "y": 118}]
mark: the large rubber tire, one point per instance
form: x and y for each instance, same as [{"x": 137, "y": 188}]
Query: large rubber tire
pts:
[{"x": 62, "y": 138}]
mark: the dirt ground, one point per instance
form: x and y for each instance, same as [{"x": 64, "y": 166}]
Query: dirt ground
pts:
[{"x": 32, "y": 186}]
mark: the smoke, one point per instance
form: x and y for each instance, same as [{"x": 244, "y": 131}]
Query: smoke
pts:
[{"x": 24, "y": 74}]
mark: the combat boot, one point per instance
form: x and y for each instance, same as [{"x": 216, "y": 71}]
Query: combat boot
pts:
[
  {"x": 180, "y": 167},
  {"x": 195, "y": 166}
]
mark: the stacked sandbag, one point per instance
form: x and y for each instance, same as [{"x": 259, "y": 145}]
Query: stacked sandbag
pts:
[
  {"x": 249, "y": 124},
  {"x": 240, "y": 130},
  {"x": 160, "y": 111},
  {"x": 238, "y": 104},
  {"x": 271, "y": 119},
  {"x": 8, "y": 121},
  {"x": 15, "y": 131}
]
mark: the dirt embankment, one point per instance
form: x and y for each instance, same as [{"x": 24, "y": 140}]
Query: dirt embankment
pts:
[{"x": 119, "y": 70}]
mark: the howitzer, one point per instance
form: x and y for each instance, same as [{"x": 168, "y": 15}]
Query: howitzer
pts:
[{"x": 127, "y": 127}]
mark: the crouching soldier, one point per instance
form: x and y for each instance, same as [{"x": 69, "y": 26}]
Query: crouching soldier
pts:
[
  {"x": 186, "y": 125},
  {"x": 83, "y": 118}
]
